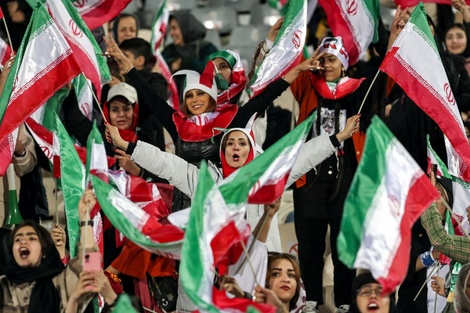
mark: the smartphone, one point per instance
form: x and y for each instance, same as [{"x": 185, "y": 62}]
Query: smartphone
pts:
[{"x": 92, "y": 262}]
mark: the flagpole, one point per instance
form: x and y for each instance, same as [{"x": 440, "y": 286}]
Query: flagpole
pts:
[
  {"x": 96, "y": 99},
  {"x": 247, "y": 251},
  {"x": 56, "y": 203},
  {"x": 8, "y": 35},
  {"x": 368, "y": 90}
]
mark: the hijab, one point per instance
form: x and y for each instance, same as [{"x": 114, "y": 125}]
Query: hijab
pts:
[
  {"x": 45, "y": 297},
  {"x": 461, "y": 300},
  {"x": 227, "y": 169}
]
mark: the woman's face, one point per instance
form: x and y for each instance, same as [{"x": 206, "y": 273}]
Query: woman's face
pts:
[
  {"x": 282, "y": 279},
  {"x": 121, "y": 114},
  {"x": 467, "y": 288},
  {"x": 332, "y": 67},
  {"x": 127, "y": 28},
  {"x": 456, "y": 40},
  {"x": 27, "y": 249},
  {"x": 224, "y": 69},
  {"x": 198, "y": 101},
  {"x": 369, "y": 299},
  {"x": 175, "y": 33},
  {"x": 237, "y": 149}
]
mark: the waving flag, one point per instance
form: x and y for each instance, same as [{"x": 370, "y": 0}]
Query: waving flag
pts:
[
  {"x": 95, "y": 13},
  {"x": 388, "y": 186},
  {"x": 159, "y": 28},
  {"x": 73, "y": 183},
  {"x": 35, "y": 76},
  {"x": 211, "y": 215},
  {"x": 84, "y": 46},
  {"x": 277, "y": 162},
  {"x": 137, "y": 225},
  {"x": 7, "y": 147},
  {"x": 287, "y": 49},
  {"x": 355, "y": 21},
  {"x": 5, "y": 52},
  {"x": 427, "y": 85}
]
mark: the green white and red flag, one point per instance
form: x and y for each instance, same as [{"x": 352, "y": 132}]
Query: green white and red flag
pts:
[
  {"x": 35, "y": 76},
  {"x": 96, "y": 159},
  {"x": 84, "y": 95},
  {"x": 5, "y": 51},
  {"x": 137, "y": 225},
  {"x": 84, "y": 46},
  {"x": 143, "y": 193},
  {"x": 286, "y": 51},
  {"x": 277, "y": 162},
  {"x": 159, "y": 28},
  {"x": 73, "y": 183},
  {"x": 7, "y": 147},
  {"x": 427, "y": 85},
  {"x": 95, "y": 13},
  {"x": 388, "y": 186},
  {"x": 216, "y": 222},
  {"x": 356, "y": 21}
]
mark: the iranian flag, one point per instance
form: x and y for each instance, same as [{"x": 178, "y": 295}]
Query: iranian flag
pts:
[
  {"x": 137, "y": 225},
  {"x": 143, "y": 193},
  {"x": 35, "y": 76},
  {"x": 355, "y": 21},
  {"x": 286, "y": 51},
  {"x": 84, "y": 95},
  {"x": 216, "y": 222},
  {"x": 73, "y": 183},
  {"x": 5, "y": 51},
  {"x": 276, "y": 163},
  {"x": 388, "y": 186},
  {"x": 84, "y": 46},
  {"x": 95, "y": 13},
  {"x": 7, "y": 147},
  {"x": 159, "y": 28},
  {"x": 427, "y": 85}
]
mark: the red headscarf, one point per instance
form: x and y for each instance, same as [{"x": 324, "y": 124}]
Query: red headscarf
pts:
[
  {"x": 126, "y": 134},
  {"x": 227, "y": 170}
]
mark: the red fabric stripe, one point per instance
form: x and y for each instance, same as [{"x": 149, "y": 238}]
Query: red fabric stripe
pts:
[
  {"x": 340, "y": 27},
  {"x": 420, "y": 196},
  {"x": 221, "y": 301},
  {"x": 103, "y": 13},
  {"x": 161, "y": 233},
  {"x": 33, "y": 97},
  {"x": 269, "y": 193},
  {"x": 430, "y": 105},
  {"x": 7, "y": 146}
]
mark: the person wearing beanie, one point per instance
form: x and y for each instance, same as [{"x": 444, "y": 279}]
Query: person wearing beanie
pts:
[{"x": 368, "y": 297}]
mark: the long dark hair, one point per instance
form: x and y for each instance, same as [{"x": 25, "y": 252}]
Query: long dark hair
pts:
[{"x": 274, "y": 256}]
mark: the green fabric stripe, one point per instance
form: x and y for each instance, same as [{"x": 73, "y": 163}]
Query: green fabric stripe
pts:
[
  {"x": 362, "y": 192},
  {"x": 53, "y": 106},
  {"x": 373, "y": 11},
  {"x": 421, "y": 26},
  {"x": 73, "y": 183},
  {"x": 124, "y": 304},
  {"x": 192, "y": 269}
]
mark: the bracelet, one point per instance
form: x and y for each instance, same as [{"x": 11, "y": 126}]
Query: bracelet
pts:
[
  {"x": 20, "y": 155},
  {"x": 89, "y": 223},
  {"x": 427, "y": 258},
  {"x": 113, "y": 276},
  {"x": 128, "y": 70}
]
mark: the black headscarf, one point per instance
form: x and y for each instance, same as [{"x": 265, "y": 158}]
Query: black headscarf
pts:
[
  {"x": 364, "y": 279},
  {"x": 192, "y": 31},
  {"x": 44, "y": 297}
]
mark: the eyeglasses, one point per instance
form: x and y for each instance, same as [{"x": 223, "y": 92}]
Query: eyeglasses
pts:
[{"x": 367, "y": 291}]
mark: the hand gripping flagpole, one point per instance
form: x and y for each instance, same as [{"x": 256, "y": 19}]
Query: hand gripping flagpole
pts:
[{"x": 368, "y": 90}]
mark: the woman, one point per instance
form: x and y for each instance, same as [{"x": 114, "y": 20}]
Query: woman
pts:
[
  {"x": 195, "y": 128},
  {"x": 125, "y": 26},
  {"x": 34, "y": 277},
  {"x": 283, "y": 284},
  {"x": 368, "y": 296},
  {"x": 188, "y": 50}
]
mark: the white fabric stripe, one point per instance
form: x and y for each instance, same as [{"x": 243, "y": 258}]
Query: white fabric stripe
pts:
[
  {"x": 88, "y": 6},
  {"x": 381, "y": 240},
  {"x": 72, "y": 32},
  {"x": 431, "y": 73},
  {"x": 32, "y": 70},
  {"x": 98, "y": 158},
  {"x": 360, "y": 24},
  {"x": 278, "y": 169},
  {"x": 136, "y": 216}
]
